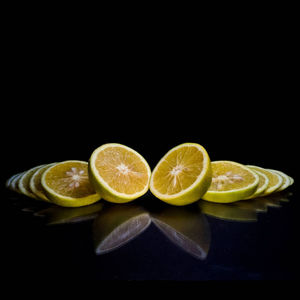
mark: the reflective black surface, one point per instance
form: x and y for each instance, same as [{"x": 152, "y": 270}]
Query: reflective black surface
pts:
[{"x": 150, "y": 240}]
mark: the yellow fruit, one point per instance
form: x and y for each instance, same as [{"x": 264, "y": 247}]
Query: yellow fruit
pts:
[
  {"x": 285, "y": 180},
  {"x": 231, "y": 182},
  {"x": 275, "y": 180},
  {"x": 67, "y": 184},
  {"x": 183, "y": 175},
  {"x": 118, "y": 173},
  {"x": 36, "y": 185},
  {"x": 24, "y": 182},
  {"x": 262, "y": 185},
  {"x": 15, "y": 182}
]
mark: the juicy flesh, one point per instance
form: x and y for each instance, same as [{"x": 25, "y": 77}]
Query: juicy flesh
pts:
[
  {"x": 273, "y": 179},
  {"x": 70, "y": 179},
  {"x": 122, "y": 170},
  {"x": 227, "y": 176},
  {"x": 179, "y": 170}
]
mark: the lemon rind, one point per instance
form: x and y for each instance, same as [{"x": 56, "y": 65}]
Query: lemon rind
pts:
[
  {"x": 272, "y": 189},
  {"x": 234, "y": 194},
  {"x": 103, "y": 188},
  {"x": 201, "y": 177},
  {"x": 21, "y": 187},
  {"x": 66, "y": 200}
]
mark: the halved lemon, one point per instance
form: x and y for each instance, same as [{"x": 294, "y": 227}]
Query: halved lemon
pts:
[
  {"x": 231, "y": 182},
  {"x": 67, "y": 184},
  {"x": 24, "y": 182},
  {"x": 285, "y": 180},
  {"x": 275, "y": 180},
  {"x": 118, "y": 173},
  {"x": 183, "y": 175},
  {"x": 262, "y": 185},
  {"x": 36, "y": 185}
]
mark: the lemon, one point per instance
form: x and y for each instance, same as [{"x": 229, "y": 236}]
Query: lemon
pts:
[
  {"x": 118, "y": 173},
  {"x": 15, "y": 182},
  {"x": 67, "y": 184},
  {"x": 183, "y": 175},
  {"x": 231, "y": 182},
  {"x": 262, "y": 184},
  {"x": 275, "y": 180},
  {"x": 291, "y": 180},
  {"x": 24, "y": 182},
  {"x": 285, "y": 180},
  {"x": 10, "y": 180},
  {"x": 36, "y": 185}
]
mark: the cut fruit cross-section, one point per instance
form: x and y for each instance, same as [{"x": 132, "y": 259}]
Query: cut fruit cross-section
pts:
[
  {"x": 118, "y": 173},
  {"x": 67, "y": 184},
  {"x": 183, "y": 175},
  {"x": 231, "y": 182},
  {"x": 275, "y": 180}
]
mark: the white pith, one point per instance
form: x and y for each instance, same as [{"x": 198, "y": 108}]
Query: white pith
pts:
[
  {"x": 122, "y": 168},
  {"x": 53, "y": 192},
  {"x": 178, "y": 169}
]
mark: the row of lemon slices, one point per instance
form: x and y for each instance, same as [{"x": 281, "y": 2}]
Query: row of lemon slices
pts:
[{"x": 119, "y": 174}]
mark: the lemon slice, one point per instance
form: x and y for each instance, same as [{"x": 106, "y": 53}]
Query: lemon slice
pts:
[
  {"x": 275, "y": 180},
  {"x": 24, "y": 182},
  {"x": 118, "y": 173},
  {"x": 285, "y": 180},
  {"x": 291, "y": 180},
  {"x": 67, "y": 184},
  {"x": 231, "y": 182},
  {"x": 36, "y": 185},
  {"x": 10, "y": 180},
  {"x": 15, "y": 182},
  {"x": 262, "y": 184},
  {"x": 182, "y": 176}
]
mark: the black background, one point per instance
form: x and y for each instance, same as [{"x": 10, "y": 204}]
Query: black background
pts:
[{"x": 63, "y": 96}]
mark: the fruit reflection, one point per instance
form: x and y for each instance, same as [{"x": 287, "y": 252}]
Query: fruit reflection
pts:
[
  {"x": 118, "y": 224},
  {"x": 185, "y": 226},
  {"x": 242, "y": 211},
  {"x": 62, "y": 215},
  {"x": 227, "y": 211}
]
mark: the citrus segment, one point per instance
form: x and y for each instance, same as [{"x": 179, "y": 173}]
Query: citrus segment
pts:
[
  {"x": 183, "y": 175},
  {"x": 119, "y": 173},
  {"x": 275, "y": 180},
  {"x": 24, "y": 182},
  {"x": 67, "y": 184},
  {"x": 231, "y": 182},
  {"x": 36, "y": 185}
]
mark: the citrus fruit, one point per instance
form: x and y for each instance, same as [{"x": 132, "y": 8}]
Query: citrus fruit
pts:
[
  {"x": 11, "y": 179},
  {"x": 36, "y": 185},
  {"x": 285, "y": 180},
  {"x": 67, "y": 184},
  {"x": 15, "y": 182},
  {"x": 275, "y": 180},
  {"x": 116, "y": 225},
  {"x": 291, "y": 180},
  {"x": 118, "y": 173},
  {"x": 262, "y": 184},
  {"x": 231, "y": 182},
  {"x": 24, "y": 182},
  {"x": 183, "y": 175}
]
